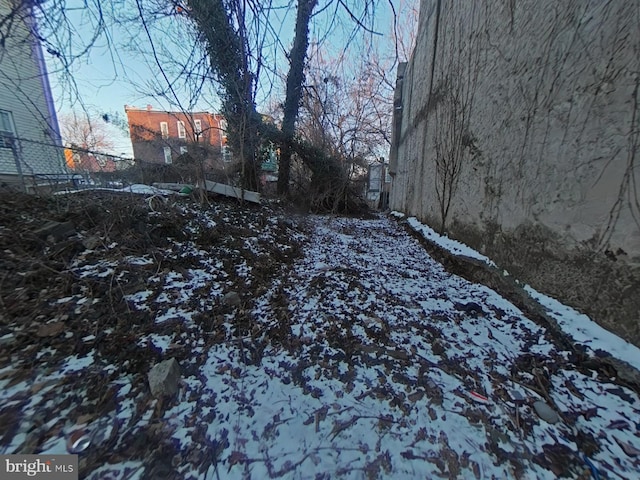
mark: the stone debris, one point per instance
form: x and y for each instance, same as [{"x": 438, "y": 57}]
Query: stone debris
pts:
[
  {"x": 545, "y": 412},
  {"x": 232, "y": 299},
  {"x": 50, "y": 329},
  {"x": 164, "y": 378}
]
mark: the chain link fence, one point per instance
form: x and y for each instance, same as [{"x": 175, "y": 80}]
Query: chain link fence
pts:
[
  {"x": 39, "y": 167},
  {"x": 35, "y": 166}
]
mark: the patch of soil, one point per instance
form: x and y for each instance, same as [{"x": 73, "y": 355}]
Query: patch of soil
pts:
[{"x": 71, "y": 297}]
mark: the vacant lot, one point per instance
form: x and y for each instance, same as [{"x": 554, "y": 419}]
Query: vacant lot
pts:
[{"x": 308, "y": 347}]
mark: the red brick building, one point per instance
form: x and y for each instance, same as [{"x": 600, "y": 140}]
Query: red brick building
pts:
[
  {"x": 161, "y": 137},
  {"x": 80, "y": 160}
]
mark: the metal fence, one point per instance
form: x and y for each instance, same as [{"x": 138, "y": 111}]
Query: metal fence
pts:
[
  {"x": 43, "y": 166},
  {"x": 31, "y": 165}
]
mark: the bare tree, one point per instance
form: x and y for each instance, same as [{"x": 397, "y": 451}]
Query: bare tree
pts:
[
  {"x": 226, "y": 37},
  {"x": 88, "y": 143},
  {"x": 86, "y": 133},
  {"x": 295, "y": 80},
  {"x": 451, "y": 100},
  {"x": 219, "y": 40}
]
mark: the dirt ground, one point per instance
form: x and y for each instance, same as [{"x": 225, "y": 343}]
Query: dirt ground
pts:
[{"x": 372, "y": 345}]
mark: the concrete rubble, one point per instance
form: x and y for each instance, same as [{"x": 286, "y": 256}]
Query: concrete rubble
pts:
[{"x": 164, "y": 378}]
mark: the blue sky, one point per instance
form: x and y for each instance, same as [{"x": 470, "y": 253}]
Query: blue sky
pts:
[{"x": 120, "y": 68}]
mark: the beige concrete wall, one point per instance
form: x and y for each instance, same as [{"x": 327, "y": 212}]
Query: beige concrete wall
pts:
[{"x": 521, "y": 127}]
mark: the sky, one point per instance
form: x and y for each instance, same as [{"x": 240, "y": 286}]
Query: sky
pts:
[{"x": 120, "y": 68}]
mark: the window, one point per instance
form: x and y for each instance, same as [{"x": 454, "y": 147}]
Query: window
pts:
[
  {"x": 7, "y": 131},
  {"x": 6, "y": 124},
  {"x": 182, "y": 133},
  {"x": 183, "y": 150},
  {"x": 226, "y": 154},
  {"x": 223, "y": 140},
  {"x": 164, "y": 129},
  {"x": 197, "y": 129},
  {"x": 167, "y": 154}
]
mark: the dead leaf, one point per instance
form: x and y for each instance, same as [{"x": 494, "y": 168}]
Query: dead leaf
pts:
[
  {"x": 398, "y": 354},
  {"x": 36, "y": 387},
  {"x": 476, "y": 470},
  {"x": 432, "y": 413},
  {"x": 618, "y": 425},
  {"x": 50, "y": 329},
  {"x": 408, "y": 455},
  {"x": 627, "y": 448},
  {"x": 86, "y": 418},
  {"x": 236, "y": 457},
  {"x": 414, "y": 397}
]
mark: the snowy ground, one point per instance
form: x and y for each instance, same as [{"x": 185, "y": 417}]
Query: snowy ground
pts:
[{"x": 353, "y": 354}]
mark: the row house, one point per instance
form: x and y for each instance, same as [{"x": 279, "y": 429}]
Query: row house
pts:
[{"x": 161, "y": 136}]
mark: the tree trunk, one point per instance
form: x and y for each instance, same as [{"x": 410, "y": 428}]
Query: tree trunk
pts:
[
  {"x": 228, "y": 56},
  {"x": 295, "y": 79}
]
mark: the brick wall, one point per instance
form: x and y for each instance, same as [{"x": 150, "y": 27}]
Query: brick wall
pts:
[{"x": 149, "y": 142}]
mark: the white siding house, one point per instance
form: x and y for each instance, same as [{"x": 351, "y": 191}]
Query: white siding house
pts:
[{"x": 30, "y": 147}]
